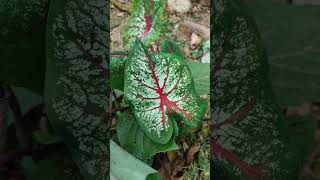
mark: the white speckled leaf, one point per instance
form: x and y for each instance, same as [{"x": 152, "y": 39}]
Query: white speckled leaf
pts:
[
  {"x": 249, "y": 137},
  {"x": 76, "y": 81},
  {"x": 158, "y": 86},
  {"x": 144, "y": 22}
]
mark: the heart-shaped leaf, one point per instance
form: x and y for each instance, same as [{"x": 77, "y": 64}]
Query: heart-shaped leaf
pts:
[
  {"x": 200, "y": 71},
  {"x": 200, "y": 74},
  {"x": 77, "y": 90},
  {"x": 249, "y": 138},
  {"x": 135, "y": 141},
  {"x": 156, "y": 86},
  {"x": 144, "y": 22}
]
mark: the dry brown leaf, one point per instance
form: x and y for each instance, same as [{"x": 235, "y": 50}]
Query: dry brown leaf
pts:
[
  {"x": 165, "y": 168},
  {"x": 191, "y": 152},
  {"x": 177, "y": 165}
]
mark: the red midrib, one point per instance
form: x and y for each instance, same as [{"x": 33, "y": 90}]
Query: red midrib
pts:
[
  {"x": 230, "y": 156},
  {"x": 148, "y": 26},
  {"x": 164, "y": 100}
]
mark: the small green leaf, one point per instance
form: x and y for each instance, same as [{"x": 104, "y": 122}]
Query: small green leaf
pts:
[
  {"x": 117, "y": 63},
  {"x": 156, "y": 86},
  {"x": 133, "y": 139},
  {"x": 125, "y": 166},
  {"x": 170, "y": 47},
  {"x": 144, "y": 22}
]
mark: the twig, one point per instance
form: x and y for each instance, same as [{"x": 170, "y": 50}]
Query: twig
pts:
[
  {"x": 197, "y": 28},
  {"x": 123, "y": 7}
]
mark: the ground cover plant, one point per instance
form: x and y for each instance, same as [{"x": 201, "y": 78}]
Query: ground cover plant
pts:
[{"x": 156, "y": 94}]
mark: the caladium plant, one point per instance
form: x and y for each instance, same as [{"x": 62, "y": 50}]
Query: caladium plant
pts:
[
  {"x": 159, "y": 86},
  {"x": 249, "y": 139},
  {"x": 144, "y": 22}
]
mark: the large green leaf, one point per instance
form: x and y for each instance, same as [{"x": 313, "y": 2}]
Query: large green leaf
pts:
[
  {"x": 249, "y": 138},
  {"x": 77, "y": 90},
  {"x": 125, "y": 166},
  {"x": 133, "y": 139},
  {"x": 290, "y": 34},
  {"x": 144, "y": 22},
  {"x": 156, "y": 86},
  {"x": 22, "y": 43}
]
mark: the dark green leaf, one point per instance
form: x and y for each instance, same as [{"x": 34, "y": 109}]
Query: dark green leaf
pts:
[
  {"x": 249, "y": 137},
  {"x": 170, "y": 47},
  {"x": 290, "y": 34},
  {"x": 77, "y": 90},
  {"x": 117, "y": 63},
  {"x": 134, "y": 140},
  {"x": 51, "y": 167},
  {"x": 22, "y": 43}
]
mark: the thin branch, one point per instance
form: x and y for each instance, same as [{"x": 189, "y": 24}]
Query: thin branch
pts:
[{"x": 197, "y": 28}]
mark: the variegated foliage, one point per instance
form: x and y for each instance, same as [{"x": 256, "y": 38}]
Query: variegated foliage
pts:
[
  {"x": 144, "y": 22},
  {"x": 159, "y": 87}
]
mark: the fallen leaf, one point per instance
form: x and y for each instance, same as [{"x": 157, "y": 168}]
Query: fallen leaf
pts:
[
  {"x": 165, "y": 167},
  {"x": 191, "y": 152},
  {"x": 171, "y": 155}
]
